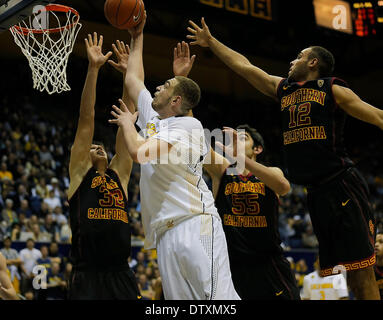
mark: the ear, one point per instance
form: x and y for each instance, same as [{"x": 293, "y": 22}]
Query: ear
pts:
[
  {"x": 257, "y": 150},
  {"x": 176, "y": 104},
  {"x": 176, "y": 100},
  {"x": 313, "y": 62}
]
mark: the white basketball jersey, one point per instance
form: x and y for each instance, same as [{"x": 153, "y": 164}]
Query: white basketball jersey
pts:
[
  {"x": 172, "y": 190},
  {"x": 324, "y": 288}
]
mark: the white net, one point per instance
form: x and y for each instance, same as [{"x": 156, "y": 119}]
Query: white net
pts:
[{"x": 48, "y": 49}]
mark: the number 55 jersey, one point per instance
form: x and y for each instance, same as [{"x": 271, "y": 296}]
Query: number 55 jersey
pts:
[{"x": 249, "y": 213}]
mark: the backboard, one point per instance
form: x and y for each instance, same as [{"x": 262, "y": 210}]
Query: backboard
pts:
[{"x": 14, "y": 11}]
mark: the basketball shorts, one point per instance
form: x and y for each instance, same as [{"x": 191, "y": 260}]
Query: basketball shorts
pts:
[
  {"x": 114, "y": 284},
  {"x": 269, "y": 278},
  {"x": 194, "y": 262},
  {"x": 343, "y": 222}
]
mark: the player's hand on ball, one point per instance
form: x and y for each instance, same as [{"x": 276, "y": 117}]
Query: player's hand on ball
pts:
[
  {"x": 200, "y": 36},
  {"x": 122, "y": 115},
  {"x": 137, "y": 30}
]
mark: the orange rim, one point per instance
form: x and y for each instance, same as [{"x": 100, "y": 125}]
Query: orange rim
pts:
[{"x": 53, "y": 8}]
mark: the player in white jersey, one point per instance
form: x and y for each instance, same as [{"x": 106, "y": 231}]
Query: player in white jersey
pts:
[
  {"x": 178, "y": 212},
  {"x": 332, "y": 287}
]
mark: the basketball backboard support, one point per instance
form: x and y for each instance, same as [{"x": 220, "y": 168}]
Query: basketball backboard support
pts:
[{"x": 14, "y": 11}]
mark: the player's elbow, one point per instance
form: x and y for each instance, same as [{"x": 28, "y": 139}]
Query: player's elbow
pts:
[
  {"x": 283, "y": 187},
  {"x": 135, "y": 157}
]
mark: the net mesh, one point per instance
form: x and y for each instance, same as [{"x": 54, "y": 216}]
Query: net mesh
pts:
[{"x": 48, "y": 50}]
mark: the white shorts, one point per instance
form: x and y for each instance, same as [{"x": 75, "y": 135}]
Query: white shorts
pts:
[{"x": 194, "y": 262}]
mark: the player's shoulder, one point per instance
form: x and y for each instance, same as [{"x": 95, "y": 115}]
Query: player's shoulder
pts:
[
  {"x": 186, "y": 123},
  {"x": 332, "y": 81}
]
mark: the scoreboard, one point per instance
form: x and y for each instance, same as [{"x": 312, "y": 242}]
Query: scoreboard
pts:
[{"x": 359, "y": 18}]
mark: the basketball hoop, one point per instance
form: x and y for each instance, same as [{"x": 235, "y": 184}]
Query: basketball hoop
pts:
[{"x": 48, "y": 49}]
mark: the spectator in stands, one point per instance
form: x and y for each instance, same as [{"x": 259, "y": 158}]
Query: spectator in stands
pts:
[
  {"x": 45, "y": 260},
  {"x": 301, "y": 270},
  {"x": 45, "y": 209},
  {"x": 15, "y": 232},
  {"x": 146, "y": 290},
  {"x": 11, "y": 255},
  {"x": 56, "y": 187},
  {"x": 56, "y": 285},
  {"x": 8, "y": 190},
  {"x": 58, "y": 216},
  {"x": 4, "y": 172},
  {"x": 41, "y": 190},
  {"x": 20, "y": 170},
  {"x": 22, "y": 194},
  {"x": 309, "y": 239},
  {"x": 29, "y": 257},
  {"x": 50, "y": 228},
  {"x": 45, "y": 156},
  {"x": 55, "y": 254},
  {"x": 31, "y": 221},
  {"x": 65, "y": 233},
  {"x": 139, "y": 269},
  {"x": 39, "y": 235},
  {"x": 141, "y": 258},
  {"x": 52, "y": 200},
  {"x": 8, "y": 213},
  {"x": 24, "y": 209}
]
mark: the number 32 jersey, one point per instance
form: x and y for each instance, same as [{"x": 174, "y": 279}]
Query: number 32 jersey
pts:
[
  {"x": 99, "y": 221},
  {"x": 312, "y": 125},
  {"x": 249, "y": 213}
]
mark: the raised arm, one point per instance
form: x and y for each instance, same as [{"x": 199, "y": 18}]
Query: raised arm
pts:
[
  {"x": 262, "y": 81},
  {"x": 80, "y": 160},
  {"x": 122, "y": 162},
  {"x": 356, "y": 107},
  {"x": 135, "y": 76}
]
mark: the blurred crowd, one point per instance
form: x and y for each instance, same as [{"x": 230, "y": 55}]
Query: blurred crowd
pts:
[{"x": 34, "y": 155}]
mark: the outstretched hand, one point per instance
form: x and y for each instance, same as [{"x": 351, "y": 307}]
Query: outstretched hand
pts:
[
  {"x": 182, "y": 62},
  {"x": 94, "y": 50},
  {"x": 122, "y": 115},
  {"x": 200, "y": 36},
  {"x": 121, "y": 51}
]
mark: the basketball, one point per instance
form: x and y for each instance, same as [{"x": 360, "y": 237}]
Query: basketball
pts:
[{"x": 124, "y": 14}]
